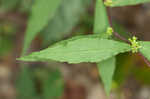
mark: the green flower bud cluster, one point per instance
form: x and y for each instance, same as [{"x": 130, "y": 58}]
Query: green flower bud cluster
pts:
[
  {"x": 110, "y": 31},
  {"x": 134, "y": 44},
  {"x": 108, "y": 2}
]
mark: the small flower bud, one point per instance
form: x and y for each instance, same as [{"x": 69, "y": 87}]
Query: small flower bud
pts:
[
  {"x": 109, "y": 31},
  {"x": 108, "y": 2}
]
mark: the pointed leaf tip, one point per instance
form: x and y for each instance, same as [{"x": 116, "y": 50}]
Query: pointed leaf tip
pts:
[{"x": 80, "y": 49}]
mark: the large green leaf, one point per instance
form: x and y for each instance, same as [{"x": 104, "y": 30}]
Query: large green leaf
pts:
[
  {"x": 101, "y": 19},
  {"x": 25, "y": 85},
  {"x": 145, "y": 49},
  {"x": 42, "y": 12},
  {"x": 80, "y": 49},
  {"x": 106, "y": 69},
  {"x": 117, "y": 3},
  {"x": 65, "y": 19}
]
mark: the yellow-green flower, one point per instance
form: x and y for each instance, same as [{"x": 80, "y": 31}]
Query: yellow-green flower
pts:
[
  {"x": 108, "y": 3},
  {"x": 134, "y": 44},
  {"x": 109, "y": 31}
]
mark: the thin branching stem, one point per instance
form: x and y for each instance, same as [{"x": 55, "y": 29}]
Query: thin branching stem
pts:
[
  {"x": 145, "y": 60},
  {"x": 123, "y": 38},
  {"x": 115, "y": 33}
]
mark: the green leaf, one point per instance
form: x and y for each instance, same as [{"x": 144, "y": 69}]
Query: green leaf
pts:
[
  {"x": 42, "y": 12},
  {"x": 145, "y": 49},
  {"x": 25, "y": 85},
  {"x": 53, "y": 86},
  {"x": 80, "y": 49},
  {"x": 65, "y": 19},
  {"x": 101, "y": 19},
  {"x": 117, "y": 3},
  {"x": 106, "y": 69}
]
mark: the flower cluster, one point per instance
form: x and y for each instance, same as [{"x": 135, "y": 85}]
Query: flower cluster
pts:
[
  {"x": 108, "y": 2},
  {"x": 134, "y": 44},
  {"x": 109, "y": 31}
]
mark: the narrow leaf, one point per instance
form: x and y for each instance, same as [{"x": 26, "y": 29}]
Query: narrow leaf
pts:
[
  {"x": 101, "y": 19},
  {"x": 42, "y": 12},
  {"x": 117, "y": 3},
  {"x": 80, "y": 49},
  {"x": 145, "y": 49},
  {"x": 106, "y": 69}
]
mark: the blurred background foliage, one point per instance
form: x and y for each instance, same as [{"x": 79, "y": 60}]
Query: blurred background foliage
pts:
[{"x": 61, "y": 80}]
